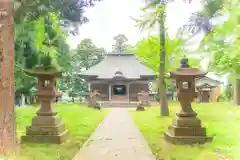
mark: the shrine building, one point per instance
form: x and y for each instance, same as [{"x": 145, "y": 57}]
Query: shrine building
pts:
[
  {"x": 119, "y": 77},
  {"x": 208, "y": 89}
]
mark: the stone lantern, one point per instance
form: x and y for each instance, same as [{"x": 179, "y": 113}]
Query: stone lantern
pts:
[
  {"x": 187, "y": 127},
  {"x": 47, "y": 126},
  {"x": 143, "y": 100},
  {"x": 93, "y": 99}
]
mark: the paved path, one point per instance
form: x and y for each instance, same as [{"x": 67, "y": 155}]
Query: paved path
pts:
[{"x": 117, "y": 138}]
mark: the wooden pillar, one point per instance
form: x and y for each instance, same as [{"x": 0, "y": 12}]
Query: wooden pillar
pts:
[
  {"x": 200, "y": 96},
  {"x": 211, "y": 94},
  {"x": 8, "y": 137},
  {"x": 89, "y": 87},
  {"x": 109, "y": 92},
  {"x": 128, "y": 91}
]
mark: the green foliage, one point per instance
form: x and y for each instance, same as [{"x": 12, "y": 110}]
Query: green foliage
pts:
[
  {"x": 85, "y": 56},
  {"x": 73, "y": 85},
  {"x": 23, "y": 83},
  {"x": 34, "y": 40},
  {"x": 223, "y": 43},
  {"x": 121, "y": 44},
  {"x": 227, "y": 94},
  {"x": 148, "y": 51},
  {"x": 201, "y": 21},
  {"x": 70, "y": 11},
  {"x": 40, "y": 37},
  {"x": 151, "y": 15},
  {"x": 154, "y": 13}
]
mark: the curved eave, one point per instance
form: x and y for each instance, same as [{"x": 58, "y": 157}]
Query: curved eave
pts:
[
  {"x": 148, "y": 77},
  {"x": 96, "y": 77},
  {"x": 178, "y": 75},
  {"x": 204, "y": 86},
  {"x": 87, "y": 77},
  {"x": 184, "y": 72},
  {"x": 112, "y": 79},
  {"x": 207, "y": 85},
  {"x": 42, "y": 73},
  {"x": 205, "y": 82}
]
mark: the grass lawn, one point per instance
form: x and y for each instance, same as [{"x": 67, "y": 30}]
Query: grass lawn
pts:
[
  {"x": 222, "y": 121},
  {"x": 80, "y": 121}
]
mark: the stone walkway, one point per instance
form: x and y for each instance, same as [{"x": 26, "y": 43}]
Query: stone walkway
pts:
[{"x": 117, "y": 138}]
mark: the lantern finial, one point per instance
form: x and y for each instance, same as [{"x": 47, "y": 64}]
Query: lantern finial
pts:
[{"x": 184, "y": 63}]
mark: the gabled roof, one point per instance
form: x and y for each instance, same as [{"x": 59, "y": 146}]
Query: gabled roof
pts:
[
  {"x": 207, "y": 82},
  {"x": 119, "y": 65}
]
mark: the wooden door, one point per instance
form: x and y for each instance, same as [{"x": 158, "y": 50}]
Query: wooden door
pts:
[{"x": 205, "y": 97}]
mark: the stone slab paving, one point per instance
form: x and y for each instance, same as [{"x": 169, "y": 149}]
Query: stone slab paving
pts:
[{"x": 116, "y": 138}]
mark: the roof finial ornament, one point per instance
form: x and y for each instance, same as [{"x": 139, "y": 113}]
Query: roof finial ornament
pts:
[
  {"x": 184, "y": 62},
  {"x": 118, "y": 72}
]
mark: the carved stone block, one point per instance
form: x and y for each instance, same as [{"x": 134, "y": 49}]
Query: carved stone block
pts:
[{"x": 45, "y": 129}]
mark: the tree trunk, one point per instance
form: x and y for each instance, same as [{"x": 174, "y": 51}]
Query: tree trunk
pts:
[
  {"x": 8, "y": 138},
  {"x": 32, "y": 100},
  {"x": 26, "y": 100},
  {"x": 18, "y": 100},
  {"x": 162, "y": 87},
  {"x": 236, "y": 92}
]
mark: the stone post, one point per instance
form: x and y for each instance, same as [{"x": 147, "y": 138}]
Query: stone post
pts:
[
  {"x": 8, "y": 140},
  {"x": 109, "y": 92},
  {"x": 128, "y": 92}
]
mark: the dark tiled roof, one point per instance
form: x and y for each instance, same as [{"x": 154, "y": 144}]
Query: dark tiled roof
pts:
[
  {"x": 207, "y": 82},
  {"x": 123, "y": 65}
]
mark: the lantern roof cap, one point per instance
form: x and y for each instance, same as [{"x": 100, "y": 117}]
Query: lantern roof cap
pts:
[
  {"x": 188, "y": 72},
  {"x": 49, "y": 71}
]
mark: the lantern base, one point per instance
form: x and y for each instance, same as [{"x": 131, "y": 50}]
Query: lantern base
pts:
[
  {"x": 186, "y": 139},
  {"x": 187, "y": 130},
  {"x": 140, "y": 108},
  {"x": 45, "y": 129}
]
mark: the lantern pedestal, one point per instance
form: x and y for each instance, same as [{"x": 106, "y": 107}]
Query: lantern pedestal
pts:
[
  {"x": 186, "y": 130},
  {"x": 46, "y": 129}
]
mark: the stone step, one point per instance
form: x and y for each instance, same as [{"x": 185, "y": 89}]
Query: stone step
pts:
[{"x": 118, "y": 104}]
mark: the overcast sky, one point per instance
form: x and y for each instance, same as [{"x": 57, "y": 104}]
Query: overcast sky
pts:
[{"x": 112, "y": 17}]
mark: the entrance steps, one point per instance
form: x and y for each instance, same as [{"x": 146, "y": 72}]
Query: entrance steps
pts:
[{"x": 118, "y": 104}]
